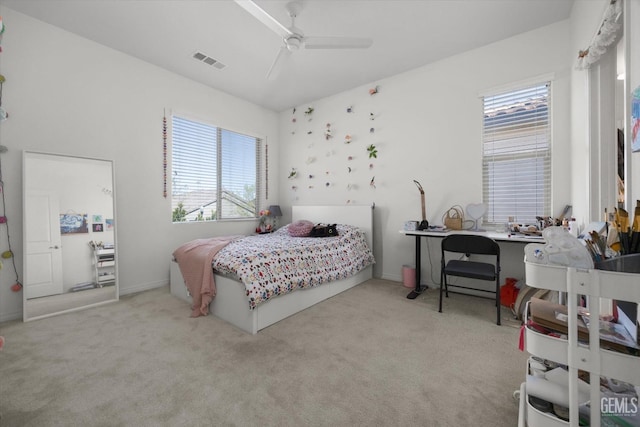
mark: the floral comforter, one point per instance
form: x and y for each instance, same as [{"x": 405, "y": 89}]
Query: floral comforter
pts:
[{"x": 276, "y": 264}]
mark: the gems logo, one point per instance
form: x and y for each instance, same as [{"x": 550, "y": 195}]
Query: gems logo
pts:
[{"x": 619, "y": 406}]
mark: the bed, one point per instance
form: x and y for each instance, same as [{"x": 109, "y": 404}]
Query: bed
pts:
[{"x": 232, "y": 302}]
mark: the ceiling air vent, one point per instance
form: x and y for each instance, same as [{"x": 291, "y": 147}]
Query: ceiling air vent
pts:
[{"x": 208, "y": 60}]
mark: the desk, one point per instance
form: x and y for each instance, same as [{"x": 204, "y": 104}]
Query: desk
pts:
[{"x": 499, "y": 237}]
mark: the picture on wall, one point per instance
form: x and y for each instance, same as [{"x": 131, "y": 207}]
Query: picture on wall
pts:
[
  {"x": 98, "y": 228},
  {"x": 109, "y": 223},
  {"x": 635, "y": 120},
  {"x": 97, "y": 218},
  {"x": 73, "y": 223}
]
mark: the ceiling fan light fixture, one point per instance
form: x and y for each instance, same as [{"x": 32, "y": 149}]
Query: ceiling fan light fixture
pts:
[
  {"x": 293, "y": 38},
  {"x": 293, "y": 43}
]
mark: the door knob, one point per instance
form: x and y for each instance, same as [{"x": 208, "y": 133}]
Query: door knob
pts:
[{"x": 54, "y": 247}]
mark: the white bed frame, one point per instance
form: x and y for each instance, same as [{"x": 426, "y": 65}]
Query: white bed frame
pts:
[{"x": 231, "y": 302}]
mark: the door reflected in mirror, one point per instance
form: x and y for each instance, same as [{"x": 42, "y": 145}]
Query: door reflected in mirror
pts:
[{"x": 70, "y": 256}]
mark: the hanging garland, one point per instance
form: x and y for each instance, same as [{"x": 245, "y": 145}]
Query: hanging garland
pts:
[
  {"x": 164, "y": 152},
  {"x": 266, "y": 171},
  {"x": 17, "y": 286}
]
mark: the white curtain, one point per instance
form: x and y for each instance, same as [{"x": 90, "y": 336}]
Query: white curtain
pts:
[{"x": 605, "y": 37}]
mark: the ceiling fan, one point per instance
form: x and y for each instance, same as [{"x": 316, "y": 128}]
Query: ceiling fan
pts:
[{"x": 294, "y": 39}]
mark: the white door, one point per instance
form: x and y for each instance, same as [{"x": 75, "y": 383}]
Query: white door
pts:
[{"x": 43, "y": 273}]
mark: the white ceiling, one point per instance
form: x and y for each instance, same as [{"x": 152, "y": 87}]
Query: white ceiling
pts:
[{"x": 407, "y": 34}]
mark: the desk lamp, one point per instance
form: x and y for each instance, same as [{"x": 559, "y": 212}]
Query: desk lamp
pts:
[
  {"x": 424, "y": 224},
  {"x": 275, "y": 212}
]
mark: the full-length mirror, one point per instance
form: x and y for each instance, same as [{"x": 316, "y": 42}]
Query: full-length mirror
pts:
[{"x": 69, "y": 234}]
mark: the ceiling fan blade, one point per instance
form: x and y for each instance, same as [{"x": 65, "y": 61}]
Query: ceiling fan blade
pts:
[
  {"x": 265, "y": 18},
  {"x": 337, "y": 42},
  {"x": 278, "y": 63}
]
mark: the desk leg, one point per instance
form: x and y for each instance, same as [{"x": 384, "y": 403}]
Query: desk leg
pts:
[{"x": 418, "y": 290}]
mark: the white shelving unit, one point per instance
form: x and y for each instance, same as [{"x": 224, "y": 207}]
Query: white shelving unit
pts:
[
  {"x": 105, "y": 266},
  {"x": 589, "y": 357}
]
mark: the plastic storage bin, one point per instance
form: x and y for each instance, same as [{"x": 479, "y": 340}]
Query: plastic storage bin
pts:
[{"x": 409, "y": 276}]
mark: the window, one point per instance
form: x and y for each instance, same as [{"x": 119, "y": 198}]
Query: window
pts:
[
  {"x": 516, "y": 160},
  {"x": 214, "y": 172}
]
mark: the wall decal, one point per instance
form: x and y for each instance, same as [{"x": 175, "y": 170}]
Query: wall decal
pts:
[
  {"x": 373, "y": 152},
  {"x": 327, "y": 132},
  {"x": 340, "y": 170},
  {"x": 308, "y": 113}
]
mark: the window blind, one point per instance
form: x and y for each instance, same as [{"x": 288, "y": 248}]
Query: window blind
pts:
[
  {"x": 517, "y": 154},
  {"x": 215, "y": 172}
]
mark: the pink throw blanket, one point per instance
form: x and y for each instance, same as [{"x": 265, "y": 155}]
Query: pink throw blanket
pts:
[{"x": 194, "y": 259}]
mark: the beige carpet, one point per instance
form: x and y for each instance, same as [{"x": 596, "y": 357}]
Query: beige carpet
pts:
[{"x": 367, "y": 357}]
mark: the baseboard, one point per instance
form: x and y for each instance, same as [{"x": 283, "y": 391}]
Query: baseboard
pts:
[
  {"x": 6, "y": 317},
  {"x": 143, "y": 287},
  {"x": 392, "y": 277},
  {"x": 17, "y": 315},
  {"x": 398, "y": 278}
]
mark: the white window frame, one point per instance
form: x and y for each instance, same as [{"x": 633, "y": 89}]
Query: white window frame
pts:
[
  {"x": 516, "y": 152},
  {"x": 186, "y": 155}
]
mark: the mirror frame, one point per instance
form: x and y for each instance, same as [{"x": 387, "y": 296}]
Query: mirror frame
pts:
[{"x": 65, "y": 302}]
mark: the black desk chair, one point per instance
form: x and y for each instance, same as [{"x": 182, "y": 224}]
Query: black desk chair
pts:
[{"x": 469, "y": 244}]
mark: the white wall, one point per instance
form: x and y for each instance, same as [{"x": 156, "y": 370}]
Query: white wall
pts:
[
  {"x": 68, "y": 95},
  {"x": 428, "y": 125}
]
